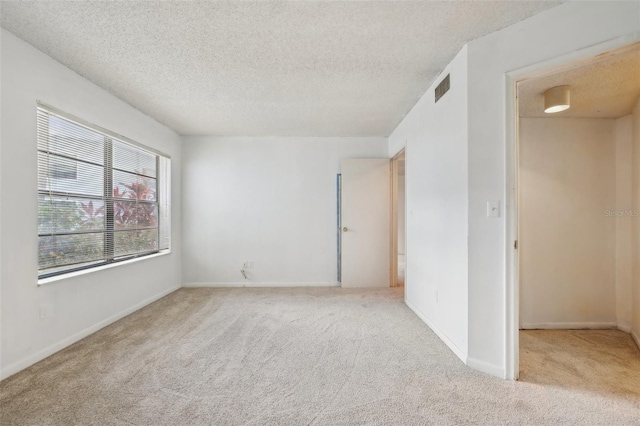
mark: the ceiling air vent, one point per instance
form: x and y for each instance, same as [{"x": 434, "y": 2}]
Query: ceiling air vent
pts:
[{"x": 442, "y": 88}]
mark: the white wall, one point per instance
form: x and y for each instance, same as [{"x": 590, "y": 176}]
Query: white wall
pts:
[
  {"x": 624, "y": 221},
  {"x": 635, "y": 326},
  {"x": 567, "y": 243},
  {"x": 87, "y": 302},
  {"x": 435, "y": 135},
  {"x": 550, "y": 34},
  {"x": 267, "y": 200},
  {"x": 477, "y": 129}
]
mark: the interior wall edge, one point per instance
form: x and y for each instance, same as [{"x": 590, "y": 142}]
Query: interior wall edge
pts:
[
  {"x": 395, "y": 150},
  {"x": 445, "y": 339},
  {"x": 436, "y": 207},
  {"x": 485, "y": 367},
  {"x": 635, "y": 338},
  {"x": 624, "y": 327},
  {"x": 635, "y": 312}
]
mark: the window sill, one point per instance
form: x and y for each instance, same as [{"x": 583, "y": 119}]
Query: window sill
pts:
[{"x": 61, "y": 277}]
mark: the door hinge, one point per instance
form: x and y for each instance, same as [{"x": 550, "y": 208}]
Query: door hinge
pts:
[{"x": 515, "y": 244}]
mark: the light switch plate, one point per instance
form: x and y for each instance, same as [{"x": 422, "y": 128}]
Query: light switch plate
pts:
[{"x": 493, "y": 209}]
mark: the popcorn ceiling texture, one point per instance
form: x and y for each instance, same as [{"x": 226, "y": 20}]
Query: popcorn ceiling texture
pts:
[
  {"x": 263, "y": 68},
  {"x": 606, "y": 88}
]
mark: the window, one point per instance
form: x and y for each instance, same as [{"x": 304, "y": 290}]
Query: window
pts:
[
  {"x": 101, "y": 198},
  {"x": 63, "y": 168}
]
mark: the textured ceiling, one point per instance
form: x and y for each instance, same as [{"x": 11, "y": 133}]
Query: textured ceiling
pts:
[
  {"x": 605, "y": 88},
  {"x": 297, "y": 68}
]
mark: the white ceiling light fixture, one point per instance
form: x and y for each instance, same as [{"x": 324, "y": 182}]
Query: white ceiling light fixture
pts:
[{"x": 557, "y": 99}]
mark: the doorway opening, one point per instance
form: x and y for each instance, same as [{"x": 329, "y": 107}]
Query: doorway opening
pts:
[
  {"x": 398, "y": 223},
  {"x": 577, "y": 224}
]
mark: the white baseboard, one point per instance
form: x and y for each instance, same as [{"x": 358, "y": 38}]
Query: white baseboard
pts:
[
  {"x": 635, "y": 338},
  {"x": 624, "y": 327},
  {"x": 50, "y": 350},
  {"x": 568, "y": 325},
  {"x": 260, "y": 284},
  {"x": 455, "y": 349},
  {"x": 485, "y": 367}
]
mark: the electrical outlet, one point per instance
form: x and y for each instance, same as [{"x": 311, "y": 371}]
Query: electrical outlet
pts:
[
  {"x": 248, "y": 264},
  {"x": 46, "y": 311}
]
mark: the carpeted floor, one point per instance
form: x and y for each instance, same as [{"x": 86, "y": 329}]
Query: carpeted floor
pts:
[
  {"x": 598, "y": 361},
  {"x": 299, "y": 356}
]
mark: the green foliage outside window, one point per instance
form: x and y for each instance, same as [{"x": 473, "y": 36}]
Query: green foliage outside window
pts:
[{"x": 71, "y": 215}]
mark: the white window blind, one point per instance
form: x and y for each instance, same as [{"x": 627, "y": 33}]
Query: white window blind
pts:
[{"x": 101, "y": 199}]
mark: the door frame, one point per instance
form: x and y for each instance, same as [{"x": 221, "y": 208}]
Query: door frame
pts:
[
  {"x": 393, "y": 278},
  {"x": 570, "y": 60}
]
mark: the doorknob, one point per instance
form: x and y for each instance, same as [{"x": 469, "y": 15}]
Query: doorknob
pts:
[{"x": 345, "y": 229}]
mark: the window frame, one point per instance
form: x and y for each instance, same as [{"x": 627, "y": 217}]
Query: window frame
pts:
[{"x": 163, "y": 187}]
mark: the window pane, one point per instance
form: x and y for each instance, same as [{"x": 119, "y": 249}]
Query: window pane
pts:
[
  {"x": 127, "y": 185},
  {"x": 64, "y": 137},
  {"x": 69, "y": 214},
  {"x": 60, "y": 174},
  {"x": 62, "y": 168},
  {"x": 61, "y": 250},
  {"x": 134, "y": 242},
  {"x": 130, "y": 215},
  {"x": 132, "y": 159}
]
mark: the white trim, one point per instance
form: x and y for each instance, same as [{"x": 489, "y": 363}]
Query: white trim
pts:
[
  {"x": 512, "y": 291},
  {"x": 44, "y": 281},
  {"x": 624, "y": 327},
  {"x": 455, "y": 349},
  {"x": 635, "y": 338},
  {"x": 400, "y": 149},
  {"x": 485, "y": 367},
  {"x": 512, "y": 350},
  {"x": 52, "y": 349},
  {"x": 260, "y": 284},
  {"x": 569, "y": 325}
]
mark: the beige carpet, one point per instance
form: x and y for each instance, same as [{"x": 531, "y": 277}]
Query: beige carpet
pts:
[
  {"x": 325, "y": 356},
  {"x": 598, "y": 361}
]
